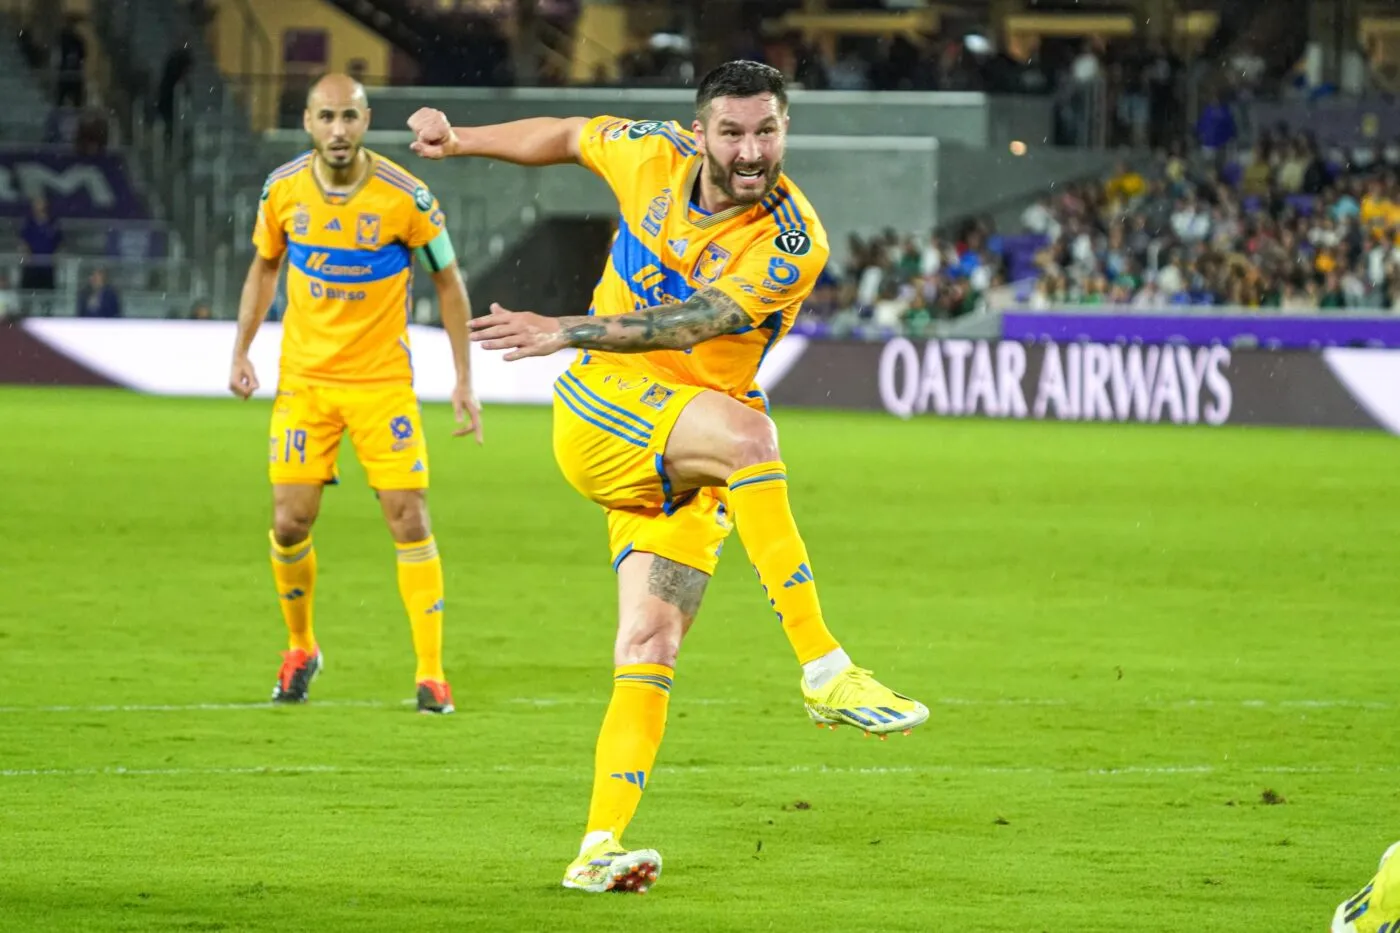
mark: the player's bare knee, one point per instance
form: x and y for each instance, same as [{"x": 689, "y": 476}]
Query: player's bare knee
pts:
[
  {"x": 655, "y": 640},
  {"x": 291, "y": 526},
  {"x": 407, "y": 515},
  {"x": 410, "y": 526},
  {"x": 755, "y": 440}
]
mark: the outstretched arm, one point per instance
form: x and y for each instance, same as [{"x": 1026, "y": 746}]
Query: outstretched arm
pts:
[
  {"x": 706, "y": 314},
  {"x": 535, "y": 141}
]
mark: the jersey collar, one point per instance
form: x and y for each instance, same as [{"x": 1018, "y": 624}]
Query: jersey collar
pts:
[
  {"x": 336, "y": 198},
  {"x": 692, "y": 172}
]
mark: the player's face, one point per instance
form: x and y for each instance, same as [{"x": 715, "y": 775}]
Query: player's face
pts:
[
  {"x": 336, "y": 127},
  {"x": 743, "y": 140}
]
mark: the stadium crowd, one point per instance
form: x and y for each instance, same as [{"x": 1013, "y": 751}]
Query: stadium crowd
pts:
[{"x": 1284, "y": 224}]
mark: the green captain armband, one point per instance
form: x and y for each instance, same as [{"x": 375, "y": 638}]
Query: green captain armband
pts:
[{"x": 437, "y": 254}]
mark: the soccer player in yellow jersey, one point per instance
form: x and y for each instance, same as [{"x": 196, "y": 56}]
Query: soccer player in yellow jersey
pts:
[
  {"x": 349, "y": 223},
  {"x": 659, "y": 419},
  {"x": 1376, "y": 907}
]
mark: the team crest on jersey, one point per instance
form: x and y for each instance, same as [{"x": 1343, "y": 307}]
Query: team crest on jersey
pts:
[
  {"x": 423, "y": 199},
  {"x": 657, "y": 396},
  {"x": 710, "y": 266},
  {"x": 657, "y": 210},
  {"x": 793, "y": 242},
  {"x": 301, "y": 220},
  {"x": 643, "y": 128},
  {"x": 367, "y": 231}
]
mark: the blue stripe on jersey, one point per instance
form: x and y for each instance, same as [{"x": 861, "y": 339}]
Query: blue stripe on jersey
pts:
[
  {"x": 287, "y": 169},
  {"x": 775, "y": 321},
  {"x": 396, "y": 178},
  {"x": 785, "y": 212},
  {"x": 631, "y": 258},
  {"x": 348, "y": 266},
  {"x": 397, "y": 173},
  {"x": 785, "y": 209},
  {"x": 761, "y": 395},
  {"x": 684, "y": 146},
  {"x": 388, "y": 179},
  {"x": 772, "y": 203}
]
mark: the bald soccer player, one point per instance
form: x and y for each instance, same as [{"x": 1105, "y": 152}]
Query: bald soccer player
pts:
[{"x": 350, "y": 223}]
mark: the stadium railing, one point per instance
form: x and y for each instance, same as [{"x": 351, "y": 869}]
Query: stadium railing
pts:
[{"x": 148, "y": 288}]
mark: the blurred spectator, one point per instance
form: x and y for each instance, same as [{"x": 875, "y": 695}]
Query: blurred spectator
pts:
[
  {"x": 98, "y": 298},
  {"x": 178, "y": 65},
  {"x": 1215, "y": 128},
  {"x": 9, "y": 298},
  {"x": 850, "y": 72},
  {"x": 40, "y": 239},
  {"x": 71, "y": 79},
  {"x": 202, "y": 12},
  {"x": 1125, "y": 185},
  {"x": 809, "y": 69},
  {"x": 1086, "y": 68},
  {"x": 93, "y": 132}
]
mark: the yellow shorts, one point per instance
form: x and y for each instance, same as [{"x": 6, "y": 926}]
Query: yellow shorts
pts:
[
  {"x": 385, "y": 425},
  {"x": 610, "y": 433}
]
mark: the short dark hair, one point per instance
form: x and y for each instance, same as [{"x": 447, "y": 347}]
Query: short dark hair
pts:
[{"x": 740, "y": 79}]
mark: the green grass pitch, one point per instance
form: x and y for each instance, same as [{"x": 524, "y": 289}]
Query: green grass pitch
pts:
[{"x": 1130, "y": 637}]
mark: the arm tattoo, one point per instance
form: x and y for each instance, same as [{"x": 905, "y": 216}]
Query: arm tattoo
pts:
[
  {"x": 708, "y": 313},
  {"x": 677, "y": 584}
]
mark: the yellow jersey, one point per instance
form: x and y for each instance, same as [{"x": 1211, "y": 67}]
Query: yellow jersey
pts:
[
  {"x": 766, "y": 256},
  {"x": 350, "y": 270}
]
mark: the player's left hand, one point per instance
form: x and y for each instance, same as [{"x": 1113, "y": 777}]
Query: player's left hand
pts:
[
  {"x": 523, "y": 333},
  {"x": 468, "y": 412}
]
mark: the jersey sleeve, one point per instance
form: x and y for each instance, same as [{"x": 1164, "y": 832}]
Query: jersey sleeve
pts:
[
  {"x": 269, "y": 239},
  {"x": 425, "y": 220},
  {"x": 614, "y": 148},
  {"x": 775, "y": 274}
]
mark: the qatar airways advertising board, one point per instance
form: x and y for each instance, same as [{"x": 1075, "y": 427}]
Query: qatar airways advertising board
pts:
[{"x": 1337, "y": 387}]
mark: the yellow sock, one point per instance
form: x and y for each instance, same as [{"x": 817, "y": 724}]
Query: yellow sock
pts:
[
  {"x": 294, "y": 572},
  {"x": 420, "y": 585},
  {"x": 627, "y": 744},
  {"x": 758, "y": 500}
]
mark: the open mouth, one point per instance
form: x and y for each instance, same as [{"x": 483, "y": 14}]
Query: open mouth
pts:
[
  {"x": 338, "y": 149},
  {"x": 754, "y": 173}
]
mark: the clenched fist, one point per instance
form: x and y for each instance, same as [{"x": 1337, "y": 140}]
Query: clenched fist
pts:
[{"x": 433, "y": 136}]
